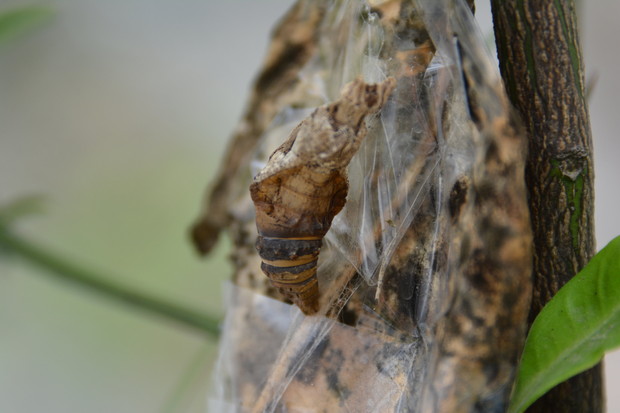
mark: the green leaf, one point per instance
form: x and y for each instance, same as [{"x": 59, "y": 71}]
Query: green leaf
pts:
[
  {"x": 574, "y": 330},
  {"x": 17, "y": 21}
]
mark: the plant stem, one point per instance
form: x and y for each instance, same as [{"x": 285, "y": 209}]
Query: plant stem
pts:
[
  {"x": 69, "y": 271},
  {"x": 542, "y": 66}
]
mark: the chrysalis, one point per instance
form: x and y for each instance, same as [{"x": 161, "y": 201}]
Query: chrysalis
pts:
[{"x": 304, "y": 185}]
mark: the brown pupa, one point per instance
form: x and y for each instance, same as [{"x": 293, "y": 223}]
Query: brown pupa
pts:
[{"x": 304, "y": 185}]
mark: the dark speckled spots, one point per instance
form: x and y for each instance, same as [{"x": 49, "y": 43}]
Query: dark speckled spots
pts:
[
  {"x": 492, "y": 152},
  {"x": 485, "y": 192},
  {"x": 495, "y": 235},
  {"x": 465, "y": 249},
  {"x": 332, "y": 380},
  {"x": 334, "y": 359},
  {"x": 291, "y": 57},
  {"x": 478, "y": 272},
  {"x": 491, "y": 369},
  {"x": 458, "y": 197},
  {"x": 308, "y": 373}
]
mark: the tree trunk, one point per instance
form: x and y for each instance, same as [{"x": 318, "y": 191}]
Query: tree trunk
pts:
[{"x": 541, "y": 63}]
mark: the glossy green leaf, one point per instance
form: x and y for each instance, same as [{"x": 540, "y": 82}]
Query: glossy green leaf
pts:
[
  {"x": 20, "y": 20},
  {"x": 574, "y": 330}
]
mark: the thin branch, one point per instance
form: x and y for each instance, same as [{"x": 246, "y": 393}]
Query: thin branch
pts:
[{"x": 69, "y": 271}]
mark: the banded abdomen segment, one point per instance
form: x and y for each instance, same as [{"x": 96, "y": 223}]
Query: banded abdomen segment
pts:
[
  {"x": 294, "y": 211},
  {"x": 291, "y": 266}
]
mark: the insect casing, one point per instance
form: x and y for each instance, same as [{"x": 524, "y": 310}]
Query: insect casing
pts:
[
  {"x": 293, "y": 215},
  {"x": 304, "y": 185}
]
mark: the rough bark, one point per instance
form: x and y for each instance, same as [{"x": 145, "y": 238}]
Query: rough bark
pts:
[{"x": 541, "y": 63}]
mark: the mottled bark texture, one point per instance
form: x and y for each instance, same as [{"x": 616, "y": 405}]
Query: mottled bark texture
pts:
[
  {"x": 437, "y": 325},
  {"x": 541, "y": 63}
]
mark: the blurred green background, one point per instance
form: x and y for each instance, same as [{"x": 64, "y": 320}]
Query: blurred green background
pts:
[{"x": 117, "y": 113}]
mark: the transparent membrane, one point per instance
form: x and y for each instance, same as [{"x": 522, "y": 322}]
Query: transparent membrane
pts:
[{"x": 274, "y": 359}]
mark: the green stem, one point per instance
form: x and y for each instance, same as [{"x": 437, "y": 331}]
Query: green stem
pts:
[{"x": 69, "y": 271}]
